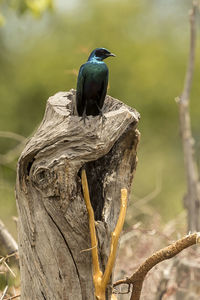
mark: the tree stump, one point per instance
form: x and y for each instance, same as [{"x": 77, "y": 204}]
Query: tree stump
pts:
[{"x": 54, "y": 239}]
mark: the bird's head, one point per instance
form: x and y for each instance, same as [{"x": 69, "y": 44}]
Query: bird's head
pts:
[{"x": 100, "y": 54}]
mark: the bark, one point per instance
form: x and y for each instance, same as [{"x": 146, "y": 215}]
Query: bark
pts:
[{"x": 53, "y": 221}]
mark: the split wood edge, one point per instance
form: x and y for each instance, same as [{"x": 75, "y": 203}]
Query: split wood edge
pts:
[{"x": 101, "y": 280}]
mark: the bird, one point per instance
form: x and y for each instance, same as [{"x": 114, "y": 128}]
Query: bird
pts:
[{"x": 92, "y": 84}]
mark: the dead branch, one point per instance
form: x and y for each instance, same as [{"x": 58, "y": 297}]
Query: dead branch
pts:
[
  {"x": 170, "y": 251},
  {"x": 4, "y": 292},
  {"x": 12, "y": 135},
  {"x": 193, "y": 190},
  {"x": 14, "y": 297},
  {"x": 12, "y": 154},
  {"x": 101, "y": 279},
  {"x": 190, "y": 68},
  {"x": 7, "y": 240}
]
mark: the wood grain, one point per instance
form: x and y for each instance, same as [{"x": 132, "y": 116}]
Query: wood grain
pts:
[{"x": 53, "y": 221}]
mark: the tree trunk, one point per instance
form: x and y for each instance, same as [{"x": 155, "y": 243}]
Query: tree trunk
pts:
[{"x": 53, "y": 221}]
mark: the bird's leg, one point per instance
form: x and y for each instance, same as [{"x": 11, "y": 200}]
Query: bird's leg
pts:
[
  {"x": 101, "y": 114},
  {"x": 101, "y": 280},
  {"x": 84, "y": 116}
]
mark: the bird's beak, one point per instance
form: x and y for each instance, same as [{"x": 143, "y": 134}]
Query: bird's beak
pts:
[{"x": 112, "y": 54}]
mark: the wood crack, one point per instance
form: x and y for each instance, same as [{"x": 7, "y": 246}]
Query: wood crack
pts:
[
  {"x": 70, "y": 251},
  {"x": 43, "y": 295}
]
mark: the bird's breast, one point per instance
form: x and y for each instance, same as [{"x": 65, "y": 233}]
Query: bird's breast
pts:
[
  {"x": 96, "y": 70},
  {"x": 92, "y": 88}
]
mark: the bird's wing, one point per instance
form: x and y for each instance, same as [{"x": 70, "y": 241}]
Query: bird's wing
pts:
[
  {"x": 80, "y": 102},
  {"x": 103, "y": 90}
]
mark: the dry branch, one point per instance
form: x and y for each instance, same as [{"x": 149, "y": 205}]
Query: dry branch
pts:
[
  {"x": 14, "y": 297},
  {"x": 97, "y": 273},
  {"x": 4, "y": 293},
  {"x": 12, "y": 135},
  {"x": 138, "y": 276},
  {"x": 101, "y": 279},
  {"x": 14, "y": 153},
  {"x": 115, "y": 238},
  {"x": 192, "y": 199},
  {"x": 6, "y": 240}
]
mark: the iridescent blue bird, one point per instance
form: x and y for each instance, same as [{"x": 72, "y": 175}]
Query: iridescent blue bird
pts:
[{"x": 92, "y": 84}]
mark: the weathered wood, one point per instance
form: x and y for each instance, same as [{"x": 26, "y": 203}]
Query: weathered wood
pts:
[{"x": 53, "y": 221}]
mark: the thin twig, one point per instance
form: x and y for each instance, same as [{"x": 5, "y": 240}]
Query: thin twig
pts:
[
  {"x": 4, "y": 292},
  {"x": 193, "y": 189},
  {"x": 8, "y": 256},
  {"x": 14, "y": 297},
  {"x": 190, "y": 68},
  {"x": 9, "y": 269},
  {"x": 168, "y": 252},
  {"x": 12, "y": 135},
  {"x": 12, "y": 154},
  {"x": 7, "y": 240}
]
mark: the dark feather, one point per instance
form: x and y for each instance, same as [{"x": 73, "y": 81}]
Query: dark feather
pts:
[{"x": 92, "y": 84}]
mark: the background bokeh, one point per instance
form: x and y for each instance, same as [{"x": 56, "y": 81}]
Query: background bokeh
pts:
[{"x": 40, "y": 54}]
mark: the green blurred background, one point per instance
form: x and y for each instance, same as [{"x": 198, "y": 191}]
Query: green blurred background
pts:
[{"x": 41, "y": 52}]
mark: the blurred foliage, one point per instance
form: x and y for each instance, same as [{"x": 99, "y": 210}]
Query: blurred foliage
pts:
[
  {"x": 36, "y": 7},
  {"x": 41, "y": 57}
]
